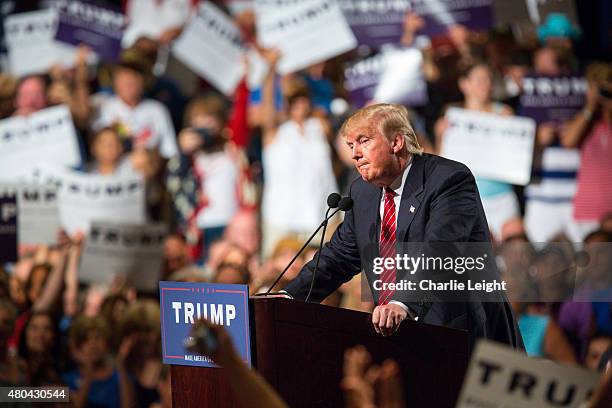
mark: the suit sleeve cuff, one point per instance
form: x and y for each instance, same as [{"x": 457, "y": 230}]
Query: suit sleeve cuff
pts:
[
  {"x": 284, "y": 292},
  {"x": 403, "y": 306}
]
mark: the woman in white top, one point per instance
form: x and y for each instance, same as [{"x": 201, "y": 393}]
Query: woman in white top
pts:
[{"x": 297, "y": 166}]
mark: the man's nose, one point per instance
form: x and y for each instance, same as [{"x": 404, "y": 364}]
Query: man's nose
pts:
[{"x": 356, "y": 151}]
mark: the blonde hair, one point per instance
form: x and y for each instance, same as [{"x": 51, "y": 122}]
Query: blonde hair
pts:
[
  {"x": 390, "y": 119},
  {"x": 142, "y": 315}
]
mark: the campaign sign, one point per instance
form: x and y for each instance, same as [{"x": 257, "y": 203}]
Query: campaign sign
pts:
[
  {"x": 500, "y": 377},
  {"x": 31, "y": 44},
  {"x": 39, "y": 220},
  {"x": 8, "y": 226},
  {"x": 45, "y": 136},
  {"x": 393, "y": 76},
  {"x": 212, "y": 46},
  {"x": 96, "y": 24},
  {"x": 133, "y": 251},
  {"x": 375, "y": 23},
  {"x": 184, "y": 302},
  {"x": 492, "y": 146},
  {"x": 440, "y": 14},
  {"x": 552, "y": 98},
  {"x": 84, "y": 198},
  {"x": 38, "y": 211},
  {"x": 306, "y": 32}
]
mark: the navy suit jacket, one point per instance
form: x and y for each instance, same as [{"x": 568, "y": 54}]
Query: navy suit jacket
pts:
[{"x": 447, "y": 208}]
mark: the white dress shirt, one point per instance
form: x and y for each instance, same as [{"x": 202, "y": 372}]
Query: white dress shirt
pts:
[{"x": 398, "y": 187}]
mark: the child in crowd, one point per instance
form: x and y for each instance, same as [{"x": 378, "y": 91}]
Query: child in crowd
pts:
[
  {"x": 96, "y": 381},
  {"x": 209, "y": 180}
]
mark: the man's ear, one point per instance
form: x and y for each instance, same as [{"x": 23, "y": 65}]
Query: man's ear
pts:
[{"x": 398, "y": 142}]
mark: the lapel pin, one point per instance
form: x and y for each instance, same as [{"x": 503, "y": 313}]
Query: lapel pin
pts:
[{"x": 411, "y": 209}]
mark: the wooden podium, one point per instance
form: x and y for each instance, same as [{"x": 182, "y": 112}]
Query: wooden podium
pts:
[{"x": 299, "y": 348}]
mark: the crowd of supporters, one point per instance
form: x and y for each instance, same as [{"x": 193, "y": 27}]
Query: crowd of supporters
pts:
[{"x": 241, "y": 182}]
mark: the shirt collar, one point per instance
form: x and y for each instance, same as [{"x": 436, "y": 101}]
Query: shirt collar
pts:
[
  {"x": 125, "y": 105},
  {"x": 398, "y": 184}
]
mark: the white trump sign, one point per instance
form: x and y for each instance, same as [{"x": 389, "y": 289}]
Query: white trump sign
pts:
[
  {"x": 37, "y": 206},
  {"x": 306, "y": 32},
  {"x": 129, "y": 250},
  {"x": 212, "y": 46},
  {"x": 84, "y": 198},
  {"x": 492, "y": 146},
  {"x": 45, "y": 136},
  {"x": 500, "y": 377},
  {"x": 31, "y": 44}
]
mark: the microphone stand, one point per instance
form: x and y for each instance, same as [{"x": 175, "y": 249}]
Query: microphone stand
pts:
[
  {"x": 314, "y": 272},
  {"x": 322, "y": 225}
]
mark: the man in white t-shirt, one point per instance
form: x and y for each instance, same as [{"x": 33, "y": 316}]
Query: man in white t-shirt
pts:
[{"x": 145, "y": 122}]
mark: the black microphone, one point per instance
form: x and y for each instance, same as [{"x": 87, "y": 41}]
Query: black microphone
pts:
[
  {"x": 344, "y": 204},
  {"x": 333, "y": 201}
]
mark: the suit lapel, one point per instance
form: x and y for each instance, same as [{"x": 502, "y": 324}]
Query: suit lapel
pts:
[
  {"x": 411, "y": 200},
  {"x": 373, "y": 213}
]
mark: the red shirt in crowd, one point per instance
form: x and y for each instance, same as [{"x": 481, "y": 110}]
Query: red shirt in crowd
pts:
[{"x": 594, "y": 196}]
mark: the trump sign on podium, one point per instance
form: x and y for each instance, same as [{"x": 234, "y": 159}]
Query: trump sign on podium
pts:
[{"x": 182, "y": 303}]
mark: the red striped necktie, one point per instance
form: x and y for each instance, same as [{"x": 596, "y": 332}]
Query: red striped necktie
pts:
[{"x": 387, "y": 244}]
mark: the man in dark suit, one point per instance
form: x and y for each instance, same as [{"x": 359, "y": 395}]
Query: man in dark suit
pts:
[{"x": 404, "y": 196}]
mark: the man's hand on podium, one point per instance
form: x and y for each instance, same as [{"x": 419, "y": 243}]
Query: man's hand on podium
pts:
[{"x": 387, "y": 318}]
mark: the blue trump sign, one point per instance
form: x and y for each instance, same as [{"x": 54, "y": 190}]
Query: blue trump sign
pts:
[{"x": 182, "y": 303}]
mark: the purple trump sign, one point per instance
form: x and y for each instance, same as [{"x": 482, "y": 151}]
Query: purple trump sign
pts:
[
  {"x": 182, "y": 303},
  {"x": 378, "y": 22},
  {"x": 552, "y": 98},
  {"x": 440, "y": 14},
  {"x": 393, "y": 76},
  {"x": 94, "y": 23},
  {"x": 8, "y": 226}
]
